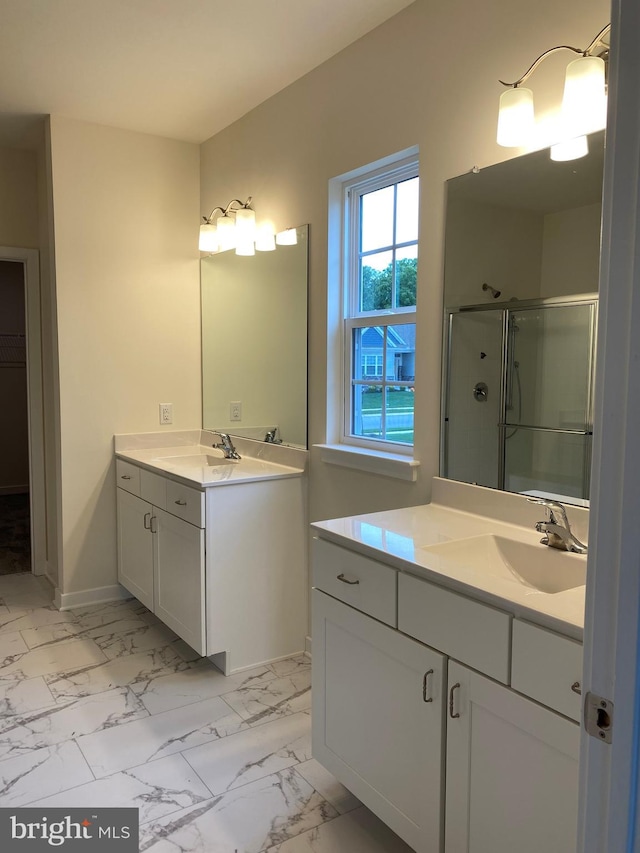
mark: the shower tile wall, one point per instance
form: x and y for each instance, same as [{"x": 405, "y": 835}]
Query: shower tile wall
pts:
[{"x": 476, "y": 355}]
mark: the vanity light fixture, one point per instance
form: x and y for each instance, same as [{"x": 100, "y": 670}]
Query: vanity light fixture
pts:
[
  {"x": 583, "y": 105},
  {"x": 230, "y": 227}
]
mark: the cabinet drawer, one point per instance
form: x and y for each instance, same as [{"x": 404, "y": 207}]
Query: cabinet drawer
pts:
[
  {"x": 359, "y": 581},
  {"x": 128, "y": 477},
  {"x": 546, "y": 666},
  {"x": 186, "y": 503},
  {"x": 153, "y": 488},
  {"x": 466, "y": 630}
]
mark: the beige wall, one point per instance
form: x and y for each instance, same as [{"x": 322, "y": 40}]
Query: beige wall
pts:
[
  {"x": 427, "y": 77},
  {"x": 18, "y": 199},
  {"x": 125, "y": 211},
  {"x": 571, "y": 251}
]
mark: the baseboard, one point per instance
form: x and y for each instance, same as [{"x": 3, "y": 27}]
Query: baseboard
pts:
[
  {"x": 307, "y": 645},
  {"x": 14, "y": 490},
  {"x": 98, "y": 595}
]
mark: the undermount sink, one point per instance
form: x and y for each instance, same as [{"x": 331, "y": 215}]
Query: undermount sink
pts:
[
  {"x": 199, "y": 460},
  {"x": 538, "y": 566}
]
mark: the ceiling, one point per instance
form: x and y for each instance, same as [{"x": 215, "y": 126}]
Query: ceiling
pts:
[{"x": 183, "y": 69}]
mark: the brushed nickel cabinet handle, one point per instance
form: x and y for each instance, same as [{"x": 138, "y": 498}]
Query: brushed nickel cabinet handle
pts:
[
  {"x": 451, "y": 714},
  {"x": 181, "y": 503},
  {"x": 577, "y": 688},
  {"x": 425, "y": 682},
  {"x": 147, "y": 521},
  {"x": 342, "y": 578},
  {"x": 151, "y": 527},
  {"x": 125, "y": 476}
]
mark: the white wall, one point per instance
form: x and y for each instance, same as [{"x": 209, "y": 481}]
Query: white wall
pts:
[
  {"x": 125, "y": 211},
  {"x": 428, "y": 77}
]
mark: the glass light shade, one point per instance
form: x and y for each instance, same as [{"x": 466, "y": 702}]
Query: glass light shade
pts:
[
  {"x": 245, "y": 248},
  {"x": 208, "y": 241},
  {"x": 245, "y": 225},
  {"x": 226, "y": 233},
  {"x": 516, "y": 121},
  {"x": 288, "y": 237},
  {"x": 570, "y": 149},
  {"x": 265, "y": 237},
  {"x": 584, "y": 104}
]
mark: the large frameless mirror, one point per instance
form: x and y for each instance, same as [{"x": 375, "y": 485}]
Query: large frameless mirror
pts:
[
  {"x": 254, "y": 342},
  {"x": 521, "y": 276}
]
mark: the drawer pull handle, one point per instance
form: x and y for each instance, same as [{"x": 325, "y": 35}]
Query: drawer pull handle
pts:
[
  {"x": 151, "y": 527},
  {"x": 451, "y": 714},
  {"x": 342, "y": 578},
  {"x": 181, "y": 503},
  {"x": 425, "y": 682},
  {"x": 147, "y": 521},
  {"x": 125, "y": 476},
  {"x": 576, "y": 688}
]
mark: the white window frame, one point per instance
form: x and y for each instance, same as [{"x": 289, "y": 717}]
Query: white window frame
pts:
[{"x": 353, "y": 317}]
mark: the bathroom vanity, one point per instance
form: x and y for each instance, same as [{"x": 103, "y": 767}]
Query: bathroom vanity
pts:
[
  {"x": 215, "y": 547},
  {"x": 447, "y": 661}
]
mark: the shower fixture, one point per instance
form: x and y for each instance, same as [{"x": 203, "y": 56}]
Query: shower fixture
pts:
[{"x": 495, "y": 293}]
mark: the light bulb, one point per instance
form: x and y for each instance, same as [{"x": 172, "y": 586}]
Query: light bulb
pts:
[
  {"x": 516, "y": 121},
  {"x": 288, "y": 237},
  {"x": 245, "y": 225},
  {"x": 208, "y": 241},
  {"x": 584, "y": 104},
  {"x": 265, "y": 237},
  {"x": 226, "y": 233},
  {"x": 570, "y": 149},
  {"x": 245, "y": 248}
]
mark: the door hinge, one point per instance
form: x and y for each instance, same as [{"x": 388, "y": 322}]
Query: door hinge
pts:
[{"x": 598, "y": 717}]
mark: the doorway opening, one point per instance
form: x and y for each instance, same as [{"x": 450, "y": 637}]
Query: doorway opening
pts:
[{"x": 15, "y": 514}]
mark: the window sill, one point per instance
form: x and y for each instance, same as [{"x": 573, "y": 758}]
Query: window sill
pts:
[{"x": 371, "y": 461}]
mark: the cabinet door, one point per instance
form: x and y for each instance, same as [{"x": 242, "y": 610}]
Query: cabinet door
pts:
[
  {"x": 180, "y": 578},
  {"x": 135, "y": 546},
  {"x": 512, "y": 771},
  {"x": 372, "y": 727}
]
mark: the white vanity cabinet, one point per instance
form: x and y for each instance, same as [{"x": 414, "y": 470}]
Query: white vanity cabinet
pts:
[
  {"x": 161, "y": 557},
  {"x": 378, "y": 716},
  {"x": 510, "y": 763},
  {"x": 223, "y": 566}
]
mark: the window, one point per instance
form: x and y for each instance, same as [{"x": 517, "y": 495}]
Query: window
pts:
[{"x": 381, "y": 216}]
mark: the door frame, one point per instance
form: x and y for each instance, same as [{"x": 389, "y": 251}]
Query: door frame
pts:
[
  {"x": 609, "y": 774},
  {"x": 29, "y": 258}
]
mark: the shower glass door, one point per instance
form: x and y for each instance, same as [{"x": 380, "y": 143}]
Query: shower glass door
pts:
[{"x": 547, "y": 418}]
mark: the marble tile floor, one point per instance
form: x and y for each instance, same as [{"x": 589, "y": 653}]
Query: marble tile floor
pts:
[{"x": 105, "y": 706}]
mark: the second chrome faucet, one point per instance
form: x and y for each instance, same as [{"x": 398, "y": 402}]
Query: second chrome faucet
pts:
[{"x": 226, "y": 445}]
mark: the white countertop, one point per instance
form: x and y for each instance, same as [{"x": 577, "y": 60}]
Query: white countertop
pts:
[
  {"x": 397, "y": 537},
  {"x": 174, "y": 455}
]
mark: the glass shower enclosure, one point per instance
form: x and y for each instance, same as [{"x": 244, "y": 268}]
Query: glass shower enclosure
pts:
[{"x": 517, "y": 395}]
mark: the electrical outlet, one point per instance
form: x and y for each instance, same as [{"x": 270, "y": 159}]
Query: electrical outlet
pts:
[
  {"x": 166, "y": 413},
  {"x": 235, "y": 411}
]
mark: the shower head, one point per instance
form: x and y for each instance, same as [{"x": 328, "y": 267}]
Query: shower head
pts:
[{"x": 495, "y": 293}]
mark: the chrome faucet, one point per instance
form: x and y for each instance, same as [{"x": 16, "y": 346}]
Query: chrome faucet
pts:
[
  {"x": 270, "y": 437},
  {"x": 556, "y": 528},
  {"x": 226, "y": 445}
]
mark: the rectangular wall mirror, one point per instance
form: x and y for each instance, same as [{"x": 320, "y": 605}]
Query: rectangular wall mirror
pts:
[
  {"x": 522, "y": 250},
  {"x": 254, "y": 342}
]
